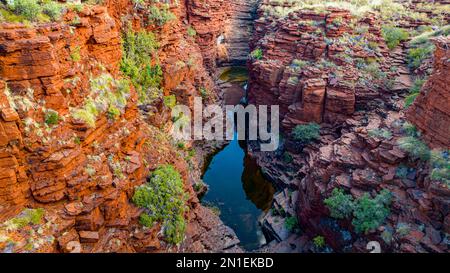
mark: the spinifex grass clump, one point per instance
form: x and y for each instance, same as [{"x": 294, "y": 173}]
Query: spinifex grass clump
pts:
[
  {"x": 107, "y": 95},
  {"x": 394, "y": 35},
  {"x": 257, "y": 54},
  {"x": 26, "y": 217},
  {"x": 417, "y": 150},
  {"x": 164, "y": 201},
  {"x": 160, "y": 15}
]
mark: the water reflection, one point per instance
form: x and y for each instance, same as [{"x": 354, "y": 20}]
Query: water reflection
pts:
[
  {"x": 239, "y": 190},
  {"x": 256, "y": 187}
]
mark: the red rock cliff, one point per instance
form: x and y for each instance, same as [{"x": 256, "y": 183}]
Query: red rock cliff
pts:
[
  {"x": 308, "y": 65},
  {"x": 83, "y": 174},
  {"x": 430, "y": 111}
]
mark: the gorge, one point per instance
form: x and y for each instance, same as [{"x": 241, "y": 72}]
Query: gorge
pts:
[{"x": 88, "y": 164}]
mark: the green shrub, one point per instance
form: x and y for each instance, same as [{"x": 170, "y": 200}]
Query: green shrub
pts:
[
  {"x": 416, "y": 148},
  {"x": 191, "y": 31},
  {"x": 51, "y": 117},
  {"x": 291, "y": 223},
  {"x": 160, "y": 15},
  {"x": 306, "y": 133},
  {"x": 257, "y": 54},
  {"x": 417, "y": 55},
  {"x": 319, "y": 241},
  {"x": 394, "y": 35},
  {"x": 30, "y": 9},
  {"x": 370, "y": 213},
  {"x": 409, "y": 100},
  {"x": 52, "y": 9},
  {"x": 181, "y": 145},
  {"x": 139, "y": 52},
  {"x": 163, "y": 199},
  {"x": 170, "y": 101},
  {"x": 340, "y": 204}
]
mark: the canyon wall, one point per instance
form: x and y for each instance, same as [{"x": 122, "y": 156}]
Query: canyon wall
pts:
[
  {"x": 209, "y": 19},
  {"x": 430, "y": 111},
  {"x": 238, "y": 32},
  {"x": 307, "y": 65},
  {"x": 83, "y": 169},
  {"x": 329, "y": 67}
]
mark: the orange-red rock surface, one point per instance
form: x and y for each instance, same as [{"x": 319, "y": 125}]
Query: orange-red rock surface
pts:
[
  {"x": 430, "y": 111},
  {"x": 84, "y": 177}
]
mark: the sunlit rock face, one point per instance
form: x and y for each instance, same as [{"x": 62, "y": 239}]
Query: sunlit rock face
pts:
[{"x": 85, "y": 174}]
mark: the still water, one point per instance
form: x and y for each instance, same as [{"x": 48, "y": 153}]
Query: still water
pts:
[{"x": 237, "y": 187}]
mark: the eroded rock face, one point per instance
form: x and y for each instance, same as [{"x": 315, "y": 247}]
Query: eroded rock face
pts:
[
  {"x": 238, "y": 32},
  {"x": 209, "y": 19},
  {"x": 361, "y": 122},
  {"x": 83, "y": 175},
  {"x": 14, "y": 188},
  {"x": 312, "y": 65},
  {"x": 430, "y": 111},
  {"x": 359, "y": 163},
  {"x": 38, "y": 67}
]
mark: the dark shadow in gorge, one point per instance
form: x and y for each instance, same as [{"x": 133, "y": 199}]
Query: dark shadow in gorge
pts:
[{"x": 256, "y": 186}]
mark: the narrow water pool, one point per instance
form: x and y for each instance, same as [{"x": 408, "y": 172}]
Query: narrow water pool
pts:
[{"x": 237, "y": 187}]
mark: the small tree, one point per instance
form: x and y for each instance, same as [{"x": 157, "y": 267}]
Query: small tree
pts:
[
  {"x": 370, "y": 213},
  {"x": 340, "y": 204},
  {"x": 394, "y": 35}
]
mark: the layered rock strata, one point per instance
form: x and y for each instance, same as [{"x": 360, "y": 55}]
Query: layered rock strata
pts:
[
  {"x": 84, "y": 175},
  {"x": 430, "y": 111}
]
